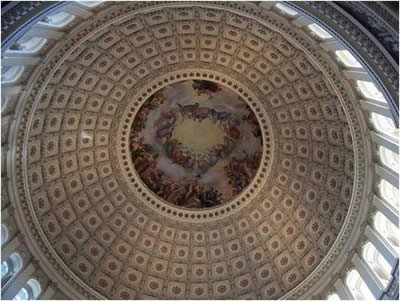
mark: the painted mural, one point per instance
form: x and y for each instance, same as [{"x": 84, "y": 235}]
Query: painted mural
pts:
[{"x": 196, "y": 144}]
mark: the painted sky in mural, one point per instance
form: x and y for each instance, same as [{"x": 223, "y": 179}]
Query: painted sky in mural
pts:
[{"x": 196, "y": 144}]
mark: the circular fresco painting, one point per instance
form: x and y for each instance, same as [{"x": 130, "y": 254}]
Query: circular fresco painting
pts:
[{"x": 196, "y": 144}]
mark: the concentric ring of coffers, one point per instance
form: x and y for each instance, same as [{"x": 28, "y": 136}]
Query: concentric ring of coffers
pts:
[{"x": 114, "y": 242}]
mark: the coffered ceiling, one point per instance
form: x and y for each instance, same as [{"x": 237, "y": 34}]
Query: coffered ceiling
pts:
[{"x": 109, "y": 236}]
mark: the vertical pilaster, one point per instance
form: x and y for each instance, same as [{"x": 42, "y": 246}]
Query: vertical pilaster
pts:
[
  {"x": 382, "y": 246},
  {"x": 385, "y": 173},
  {"x": 387, "y": 142},
  {"x": 17, "y": 283},
  {"x": 368, "y": 275},
  {"x": 343, "y": 291},
  {"x": 387, "y": 209}
]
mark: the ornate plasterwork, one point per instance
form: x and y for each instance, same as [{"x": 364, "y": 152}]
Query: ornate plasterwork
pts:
[
  {"x": 375, "y": 17},
  {"x": 20, "y": 16},
  {"x": 378, "y": 61},
  {"x": 69, "y": 190}
]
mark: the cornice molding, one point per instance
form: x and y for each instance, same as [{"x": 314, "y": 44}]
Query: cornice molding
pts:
[
  {"x": 84, "y": 31},
  {"x": 368, "y": 50}
]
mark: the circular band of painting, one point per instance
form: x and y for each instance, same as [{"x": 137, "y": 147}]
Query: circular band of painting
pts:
[
  {"x": 196, "y": 144},
  {"x": 134, "y": 180}
]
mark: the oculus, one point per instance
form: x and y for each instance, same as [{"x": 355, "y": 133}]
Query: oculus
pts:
[{"x": 196, "y": 144}]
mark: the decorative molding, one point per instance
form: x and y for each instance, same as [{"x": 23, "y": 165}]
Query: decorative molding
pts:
[
  {"x": 128, "y": 113},
  {"x": 49, "y": 77},
  {"x": 18, "y": 18},
  {"x": 379, "y": 63}
]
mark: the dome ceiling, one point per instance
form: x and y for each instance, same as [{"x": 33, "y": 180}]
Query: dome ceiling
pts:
[{"x": 106, "y": 178}]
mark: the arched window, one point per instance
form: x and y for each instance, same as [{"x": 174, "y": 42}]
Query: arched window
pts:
[
  {"x": 16, "y": 261},
  {"x": 22, "y": 294},
  {"x": 30, "y": 291},
  {"x": 57, "y": 20},
  {"x": 377, "y": 263},
  {"x": 389, "y": 158},
  {"x": 390, "y": 193},
  {"x": 35, "y": 288},
  {"x": 90, "y": 3},
  {"x": 10, "y": 267},
  {"x": 4, "y": 234},
  {"x": 287, "y": 10},
  {"x": 27, "y": 45},
  {"x": 11, "y": 74},
  {"x": 369, "y": 90},
  {"x": 383, "y": 124},
  {"x": 358, "y": 287},
  {"x": 4, "y": 269},
  {"x": 333, "y": 297},
  {"x": 386, "y": 228},
  {"x": 347, "y": 58},
  {"x": 319, "y": 31}
]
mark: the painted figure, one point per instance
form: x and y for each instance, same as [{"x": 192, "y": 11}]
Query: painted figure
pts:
[
  {"x": 206, "y": 179},
  {"x": 205, "y": 87}
]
